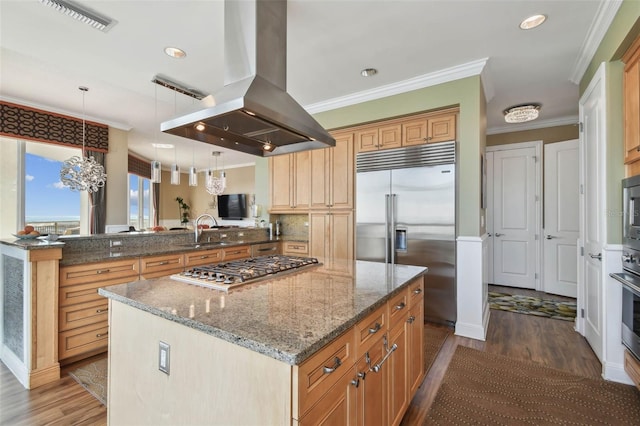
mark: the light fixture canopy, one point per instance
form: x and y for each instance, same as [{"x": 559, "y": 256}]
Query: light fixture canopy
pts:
[
  {"x": 82, "y": 14},
  {"x": 83, "y": 173},
  {"x": 521, "y": 113},
  {"x": 532, "y": 22}
]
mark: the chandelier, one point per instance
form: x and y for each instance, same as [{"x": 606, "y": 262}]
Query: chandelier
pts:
[
  {"x": 83, "y": 173},
  {"x": 521, "y": 113},
  {"x": 215, "y": 185}
]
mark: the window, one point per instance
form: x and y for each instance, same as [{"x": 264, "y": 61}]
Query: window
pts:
[{"x": 139, "y": 202}]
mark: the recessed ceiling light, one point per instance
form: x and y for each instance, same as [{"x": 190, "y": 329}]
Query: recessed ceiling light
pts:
[
  {"x": 200, "y": 127},
  {"x": 368, "y": 72},
  {"x": 532, "y": 22},
  {"x": 162, "y": 145},
  {"x": 175, "y": 52}
]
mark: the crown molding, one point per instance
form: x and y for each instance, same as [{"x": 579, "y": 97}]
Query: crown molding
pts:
[
  {"x": 601, "y": 22},
  {"x": 48, "y": 108},
  {"x": 487, "y": 83},
  {"x": 538, "y": 124},
  {"x": 426, "y": 80}
]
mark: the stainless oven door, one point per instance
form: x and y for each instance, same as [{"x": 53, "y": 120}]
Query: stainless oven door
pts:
[{"x": 630, "y": 311}]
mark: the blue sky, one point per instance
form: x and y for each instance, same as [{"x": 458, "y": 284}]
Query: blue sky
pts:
[{"x": 46, "y": 197}]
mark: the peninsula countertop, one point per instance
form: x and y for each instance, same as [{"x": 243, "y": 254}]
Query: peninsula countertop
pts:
[{"x": 287, "y": 317}]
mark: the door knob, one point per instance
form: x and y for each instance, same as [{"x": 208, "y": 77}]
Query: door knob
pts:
[
  {"x": 550, "y": 237},
  {"x": 497, "y": 234},
  {"x": 596, "y": 256}
]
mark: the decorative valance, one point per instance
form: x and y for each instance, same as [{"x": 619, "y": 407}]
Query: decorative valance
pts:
[
  {"x": 23, "y": 122},
  {"x": 139, "y": 167}
]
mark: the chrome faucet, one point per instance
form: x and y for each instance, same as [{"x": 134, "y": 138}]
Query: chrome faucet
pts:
[{"x": 198, "y": 231}]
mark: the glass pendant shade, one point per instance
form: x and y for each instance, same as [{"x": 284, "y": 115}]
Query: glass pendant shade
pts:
[
  {"x": 193, "y": 176},
  {"x": 215, "y": 185},
  {"x": 175, "y": 174},
  {"x": 156, "y": 171}
]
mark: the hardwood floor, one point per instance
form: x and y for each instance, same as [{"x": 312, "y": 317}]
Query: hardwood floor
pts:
[{"x": 547, "y": 341}]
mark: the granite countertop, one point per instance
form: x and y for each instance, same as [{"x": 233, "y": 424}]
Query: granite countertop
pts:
[
  {"x": 31, "y": 244},
  {"x": 288, "y": 318}
]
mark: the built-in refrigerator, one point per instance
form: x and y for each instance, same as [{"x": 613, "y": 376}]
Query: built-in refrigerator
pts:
[{"x": 405, "y": 214}]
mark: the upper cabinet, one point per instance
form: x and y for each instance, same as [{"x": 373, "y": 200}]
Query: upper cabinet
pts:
[
  {"x": 409, "y": 131},
  {"x": 332, "y": 172},
  {"x": 632, "y": 104},
  {"x": 289, "y": 182}
]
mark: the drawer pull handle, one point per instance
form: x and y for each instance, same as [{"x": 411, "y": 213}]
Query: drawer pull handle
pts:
[
  {"x": 204, "y": 257},
  {"x": 411, "y": 319},
  {"x": 417, "y": 291},
  {"x": 102, "y": 271},
  {"x": 268, "y": 249},
  {"x": 102, "y": 334},
  {"x": 400, "y": 306},
  {"x": 164, "y": 262},
  {"x": 329, "y": 370},
  {"x": 375, "y": 329},
  {"x": 99, "y": 311}
]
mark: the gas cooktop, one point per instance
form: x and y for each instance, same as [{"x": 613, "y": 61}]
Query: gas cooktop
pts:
[{"x": 227, "y": 275}]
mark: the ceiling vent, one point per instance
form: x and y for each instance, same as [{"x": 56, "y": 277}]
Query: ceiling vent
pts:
[{"x": 82, "y": 14}]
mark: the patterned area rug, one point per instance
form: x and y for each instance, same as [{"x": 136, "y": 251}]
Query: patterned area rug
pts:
[
  {"x": 481, "y": 388},
  {"x": 93, "y": 377},
  {"x": 434, "y": 338},
  {"x": 533, "y": 306}
]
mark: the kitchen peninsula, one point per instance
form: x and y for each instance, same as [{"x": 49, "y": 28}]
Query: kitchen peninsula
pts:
[{"x": 310, "y": 346}]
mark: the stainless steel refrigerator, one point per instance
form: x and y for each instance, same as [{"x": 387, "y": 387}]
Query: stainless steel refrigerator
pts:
[{"x": 405, "y": 214}]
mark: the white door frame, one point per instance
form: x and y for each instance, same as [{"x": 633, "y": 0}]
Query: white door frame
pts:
[{"x": 538, "y": 208}]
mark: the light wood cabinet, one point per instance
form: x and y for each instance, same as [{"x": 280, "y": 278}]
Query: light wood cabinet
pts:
[
  {"x": 331, "y": 235},
  {"x": 332, "y": 174},
  {"x": 160, "y": 266},
  {"x": 415, "y": 367},
  {"x": 398, "y": 387},
  {"x": 429, "y": 129},
  {"x": 295, "y": 248},
  {"x": 379, "y": 137},
  {"x": 289, "y": 182},
  {"x": 82, "y": 312},
  {"x": 202, "y": 257},
  {"x": 632, "y": 367},
  {"x": 237, "y": 252},
  {"x": 631, "y": 95},
  {"x": 371, "y": 387}
]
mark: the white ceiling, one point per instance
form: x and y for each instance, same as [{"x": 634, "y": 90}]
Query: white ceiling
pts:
[{"x": 46, "y": 55}]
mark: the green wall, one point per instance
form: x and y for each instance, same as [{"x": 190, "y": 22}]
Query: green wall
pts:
[
  {"x": 623, "y": 30},
  {"x": 466, "y": 93}
]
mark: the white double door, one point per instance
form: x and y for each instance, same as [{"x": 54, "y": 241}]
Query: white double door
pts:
[{"x": 528, "y": 243}]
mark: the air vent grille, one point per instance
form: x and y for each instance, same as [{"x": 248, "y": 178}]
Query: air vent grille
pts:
[{"x": 402, "y": 158}]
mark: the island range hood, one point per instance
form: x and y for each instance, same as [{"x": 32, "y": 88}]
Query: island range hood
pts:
[{"x": 253, "y": 113}]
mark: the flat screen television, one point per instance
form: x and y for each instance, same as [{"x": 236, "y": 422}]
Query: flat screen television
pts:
[{"x": 232, "y": 206}]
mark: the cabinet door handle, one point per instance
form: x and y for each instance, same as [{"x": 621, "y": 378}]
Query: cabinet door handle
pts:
[
  {"x": 102, "y": 335},
  {"x": 99, "y": 311},
  {"x": 375, "y": 328},
  {"x": 355, "y": 382},
  {"x": 417, "y": 291},
  {"x": 411, "y": 319},
  {"x": 376, "y": 368},
  {"x": 400, "y": 306},
  {"x": 329, "y": 370},
  {"x": 102, "y": 271}
]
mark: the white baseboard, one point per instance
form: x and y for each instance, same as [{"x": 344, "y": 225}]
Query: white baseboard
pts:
[
  {"x": 16, "y": 365},
  {"x": 615, "y": 373}
]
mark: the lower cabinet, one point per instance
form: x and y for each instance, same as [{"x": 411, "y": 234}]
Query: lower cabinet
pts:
[
  {"x": 331, "y": 235},
  {"x": 376, "y": 388}
]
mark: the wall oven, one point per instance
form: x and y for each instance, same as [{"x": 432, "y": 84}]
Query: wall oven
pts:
[{"x": 630, "y": 276}]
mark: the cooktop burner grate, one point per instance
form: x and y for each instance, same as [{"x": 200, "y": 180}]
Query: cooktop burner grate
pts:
[{"x": 226, "y": 275}]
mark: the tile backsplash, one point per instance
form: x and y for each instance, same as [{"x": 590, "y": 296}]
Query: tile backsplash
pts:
[{"x": 293, "y": 225}]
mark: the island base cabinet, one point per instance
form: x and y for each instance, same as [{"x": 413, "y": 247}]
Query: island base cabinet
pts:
[
  {"x": 210, "y": 381},
  {"x": 337, "y": 407},
  {"x": 397, "y": 370}
]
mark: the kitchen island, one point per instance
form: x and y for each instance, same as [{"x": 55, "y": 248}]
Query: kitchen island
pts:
[{"x": 277, "y": 351}]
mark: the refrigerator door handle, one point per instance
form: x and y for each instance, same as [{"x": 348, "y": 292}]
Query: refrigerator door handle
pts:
[
  {"x": 386, "y": 227},
  {"x": 393, "y": 228}
]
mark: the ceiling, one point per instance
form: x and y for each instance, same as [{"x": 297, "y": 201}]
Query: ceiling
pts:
[{"x": 46, "y": 55}]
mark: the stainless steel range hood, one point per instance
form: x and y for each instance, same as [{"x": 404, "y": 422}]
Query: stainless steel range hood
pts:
[{"x": 253, "y": 113}]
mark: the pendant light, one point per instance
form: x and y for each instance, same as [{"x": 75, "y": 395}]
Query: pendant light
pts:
[
  {"x": 216, "y": 185},
  {"x": 175, "y": 168},
  {"x": 156, "y": 167},
  {"x": 83, "y": 173},
  {"x": 193, "y": 174}
]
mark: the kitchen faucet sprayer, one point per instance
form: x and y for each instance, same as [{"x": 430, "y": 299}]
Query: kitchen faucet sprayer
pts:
[{"x": 198, "y": 231}]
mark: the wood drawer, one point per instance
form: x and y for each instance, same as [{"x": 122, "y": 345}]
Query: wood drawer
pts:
[
  {"x": 82, "y": 314},
  {"x": 110, "y": 272},
  {"x": 317, "y": 374},
  {"x": 159, "y": 266},
  {"x": 203, "y": 257},
  {"x": 370, "y": 329},
  {"x": 632, "y": 367},
  {"x": 83, "y": 339},
  {"x": 416, "y": 291},
  {"x": 238, "y": 252},
  {"x": 293, "y": 248},
  {"x": 83, "y": 293},
  {"x": 398, "y": 308}
]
